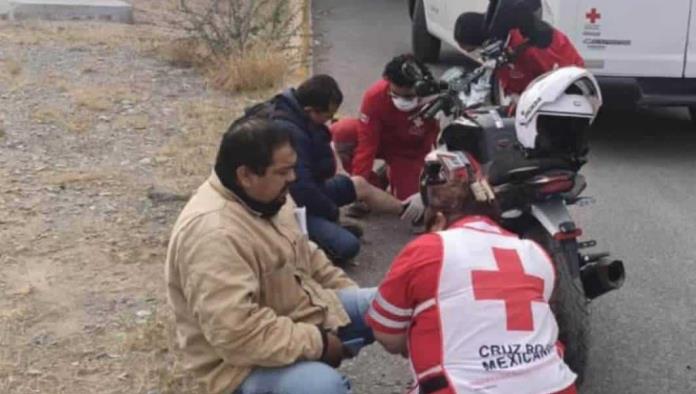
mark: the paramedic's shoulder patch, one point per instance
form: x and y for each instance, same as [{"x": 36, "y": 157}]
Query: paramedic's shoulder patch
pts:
[{"x": 364, "y": 118}]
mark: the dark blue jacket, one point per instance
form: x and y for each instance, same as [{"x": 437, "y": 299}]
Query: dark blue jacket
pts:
[{"x": 315, "y": 159}]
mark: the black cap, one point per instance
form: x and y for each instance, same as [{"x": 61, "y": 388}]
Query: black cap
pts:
[
  {"x": 469, "y": 29},
  {"x": 505, "y": 15}
]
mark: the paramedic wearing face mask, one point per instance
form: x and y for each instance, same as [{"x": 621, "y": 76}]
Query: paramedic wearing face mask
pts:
[{"x": 385, "y": 130}]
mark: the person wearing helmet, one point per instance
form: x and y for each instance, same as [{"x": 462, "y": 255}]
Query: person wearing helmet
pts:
[
  {"x": 468, "y": 303},
  {"x": 386, "y": 129},
  {"x": 536, "y": 46}
]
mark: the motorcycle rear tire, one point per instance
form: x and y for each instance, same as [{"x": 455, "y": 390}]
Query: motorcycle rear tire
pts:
[{"x": 568, "y": 302}]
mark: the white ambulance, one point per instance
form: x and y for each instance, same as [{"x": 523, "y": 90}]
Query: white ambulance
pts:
[{"x": 643, "y": 52}]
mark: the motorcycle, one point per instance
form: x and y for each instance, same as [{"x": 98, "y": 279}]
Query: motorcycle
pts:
[{"x": 534, "y": 193}]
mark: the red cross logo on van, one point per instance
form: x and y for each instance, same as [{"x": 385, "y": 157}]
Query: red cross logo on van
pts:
[{"x": 593, "y": 16}]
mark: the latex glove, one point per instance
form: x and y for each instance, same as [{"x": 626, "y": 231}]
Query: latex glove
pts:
[{"x": 413, "y": 208}]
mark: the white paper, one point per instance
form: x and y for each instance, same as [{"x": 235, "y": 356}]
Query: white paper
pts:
[{"x": 301, "y": 217}]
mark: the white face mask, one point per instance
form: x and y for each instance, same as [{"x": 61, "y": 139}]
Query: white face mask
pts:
[{"x": 405, "y": 105}]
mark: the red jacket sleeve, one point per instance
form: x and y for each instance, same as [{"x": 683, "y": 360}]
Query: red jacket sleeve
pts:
[
  {"x": 412, "y": 279},
  {"x": 533, "y": 62},
  {"x": 560, "y": 53},
  {"x": 368, "y": 139}
]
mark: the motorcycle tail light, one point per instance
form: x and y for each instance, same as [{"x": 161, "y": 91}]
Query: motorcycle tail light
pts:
[
  {"x": 556, "y": 186},
  {"x": 568, "y": 235}
]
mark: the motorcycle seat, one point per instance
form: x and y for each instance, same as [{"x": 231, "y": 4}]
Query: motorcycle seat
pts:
[{"x": 515, "y": 167}]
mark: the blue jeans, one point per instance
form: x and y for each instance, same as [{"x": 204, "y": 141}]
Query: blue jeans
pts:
[
  {"x": 339, "y": 244},
  {"x": 314, "y": 377}
]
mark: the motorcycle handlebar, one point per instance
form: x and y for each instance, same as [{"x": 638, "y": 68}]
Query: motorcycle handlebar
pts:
[
  {"x": 430, "y": 87},
  {"x": 437, "y": 106},
  {"x": 448, "y": 91}
]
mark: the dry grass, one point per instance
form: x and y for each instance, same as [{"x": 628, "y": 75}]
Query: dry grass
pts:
[
  {"x": 59, "y": 118},
  {"x": 151, "y": 335},
  {"x": 13, "y": 323},
  {"x": 146, "y": 359},
  {"x": 135, "y": 121},
  {"x": 241, "y": 52},
  {"x": 192, "y": 152},
  {"x": 104, "y": 35},
  {"x": 12, "y": 73},
  {"x": 87, "y": 100},
  {"x": 101, "y": 98},
  {"x": 154, "y": 340},
  {"x": 12, "y": 67},
  {"x": 67, "y": 178},
  {"x": 181, "y": 52},
  {"x": 92, "y": 100},
  {"x": 79, "y": 177},
  {"x": 139, "y": 359},
  {"x": 261, "y": 68}
]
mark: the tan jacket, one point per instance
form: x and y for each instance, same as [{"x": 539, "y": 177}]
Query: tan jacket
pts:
[{"x": 247, "y": 291}]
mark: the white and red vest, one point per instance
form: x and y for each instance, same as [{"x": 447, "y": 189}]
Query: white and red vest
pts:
[{"x": 497, "y": 334}]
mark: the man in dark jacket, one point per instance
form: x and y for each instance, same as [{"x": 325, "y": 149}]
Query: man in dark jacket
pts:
[{"x": 305, "y": 112}]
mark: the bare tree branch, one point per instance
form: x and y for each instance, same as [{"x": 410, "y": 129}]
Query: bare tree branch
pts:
[{"x": 230, "y": 27}]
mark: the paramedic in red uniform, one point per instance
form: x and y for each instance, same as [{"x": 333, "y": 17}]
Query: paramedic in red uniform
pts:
[
  {"x": 385, "y": 130},
  {"x": 468, "y": 302},
  {"x": 548, "y": 49}
]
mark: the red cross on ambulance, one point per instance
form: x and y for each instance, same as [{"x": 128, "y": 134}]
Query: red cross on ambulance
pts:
[{"x": 593, "y": 16}]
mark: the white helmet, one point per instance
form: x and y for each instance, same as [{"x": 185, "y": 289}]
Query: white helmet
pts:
[{"x": 556, "y": 109}]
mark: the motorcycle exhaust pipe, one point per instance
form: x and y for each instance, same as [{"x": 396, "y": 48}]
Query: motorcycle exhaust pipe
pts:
[{"x": 602, "y": 277}]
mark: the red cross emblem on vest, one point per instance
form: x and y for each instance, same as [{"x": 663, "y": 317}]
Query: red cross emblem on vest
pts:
[
  {"x": 512, "y": 285},
  {"x": 593, "y": 15}
]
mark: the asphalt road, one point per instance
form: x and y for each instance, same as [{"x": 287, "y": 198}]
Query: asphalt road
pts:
[{"x": 641, "y": 173}]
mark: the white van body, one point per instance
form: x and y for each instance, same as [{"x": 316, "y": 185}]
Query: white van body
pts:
[{"x": 643, "y": 52}]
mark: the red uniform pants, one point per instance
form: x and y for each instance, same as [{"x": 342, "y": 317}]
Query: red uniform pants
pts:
[{"x": 403, "y": 171}]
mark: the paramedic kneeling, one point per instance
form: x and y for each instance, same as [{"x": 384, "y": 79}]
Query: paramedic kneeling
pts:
[{"x": 468, "y": 302}]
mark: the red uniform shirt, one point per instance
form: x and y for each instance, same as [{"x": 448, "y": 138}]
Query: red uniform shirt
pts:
[
  {"x": 533, "y": 62},
  {"x": 388, "y": 133},
  {"x": 418, "y": 290},
  {"x": 412, "y": 280}
]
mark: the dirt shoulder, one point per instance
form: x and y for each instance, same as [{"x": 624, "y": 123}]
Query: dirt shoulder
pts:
[{"x": 100, "y": 143}]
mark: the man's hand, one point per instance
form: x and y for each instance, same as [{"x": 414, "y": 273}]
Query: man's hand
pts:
[
  {"x": 333, "y": 352},
  {"x": 413, "y": 208}
]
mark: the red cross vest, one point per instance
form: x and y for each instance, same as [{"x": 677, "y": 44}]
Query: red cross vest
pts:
[{"x": 499, "y": 335}]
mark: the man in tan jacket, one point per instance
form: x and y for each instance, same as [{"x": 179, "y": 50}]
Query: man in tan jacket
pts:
[{"x": 259, "y": 308}]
